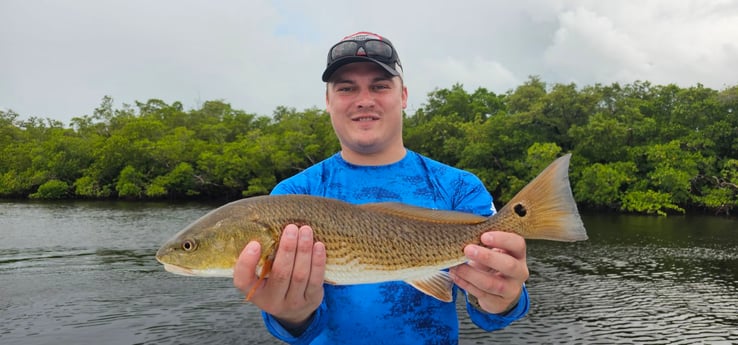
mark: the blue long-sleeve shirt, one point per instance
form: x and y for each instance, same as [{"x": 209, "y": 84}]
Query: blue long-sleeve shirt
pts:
[{"x": 391, "y": 312}]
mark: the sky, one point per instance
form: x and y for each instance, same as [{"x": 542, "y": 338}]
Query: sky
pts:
[{"x": 59, "y": 58}]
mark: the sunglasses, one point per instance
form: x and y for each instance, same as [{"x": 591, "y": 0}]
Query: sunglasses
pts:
[{"x": 372, "y": 48}]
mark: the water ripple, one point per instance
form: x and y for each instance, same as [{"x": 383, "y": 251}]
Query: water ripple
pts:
[
  {"x": 631, "y": 295},
  {"x": 94, "y": 279}
]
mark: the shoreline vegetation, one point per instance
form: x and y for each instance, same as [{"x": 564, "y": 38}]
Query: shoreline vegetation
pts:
[{"x": 637, "y": 148}]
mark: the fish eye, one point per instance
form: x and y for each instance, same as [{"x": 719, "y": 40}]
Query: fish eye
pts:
[{"x": 189, "y": 245}]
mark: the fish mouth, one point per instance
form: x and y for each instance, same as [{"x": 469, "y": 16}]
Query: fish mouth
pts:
[
  {"x": 175, "y": 269},
  {"x": 178, "y": 270},
  {"x": 193, "y": 272}
]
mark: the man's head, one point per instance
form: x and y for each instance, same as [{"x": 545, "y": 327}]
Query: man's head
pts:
[
  {"x": 365, "y": 96},
  {"x": 363, "y": 46}
]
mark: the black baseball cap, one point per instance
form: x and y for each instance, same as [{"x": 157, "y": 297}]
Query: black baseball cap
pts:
[{"x": 363, "y": 46}]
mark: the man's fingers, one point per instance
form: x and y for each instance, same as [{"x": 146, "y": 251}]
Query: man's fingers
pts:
[
  {"x": 460, "y": 278},
  {"x": 317, "y": 272},
  {"x": 496, "y": 261},
  {"x": 302, "y": 264},
  {"x": 494, "y": 292},
  {"x": 475, "y": 280},
  {"x": 507, "y": 242},
  {"x": 281, "y": 274},
  {"x": 244, "y": 273}
]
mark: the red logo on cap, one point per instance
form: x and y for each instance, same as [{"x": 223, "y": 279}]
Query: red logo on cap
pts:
[{"x": 363, "y": 36}]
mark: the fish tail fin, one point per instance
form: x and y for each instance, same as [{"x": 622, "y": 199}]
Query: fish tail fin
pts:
[{"x": 545, "y": 208}]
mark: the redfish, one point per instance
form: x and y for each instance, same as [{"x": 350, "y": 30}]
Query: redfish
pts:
[{"x": 376, "y": 242}]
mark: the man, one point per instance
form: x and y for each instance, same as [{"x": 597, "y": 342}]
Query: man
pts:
[{"x": 365, "y": 97}]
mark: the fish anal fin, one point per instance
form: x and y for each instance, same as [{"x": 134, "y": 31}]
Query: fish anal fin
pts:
[
  {"x": 438, "y": 285},
  {"x": 424, "y": 214}
]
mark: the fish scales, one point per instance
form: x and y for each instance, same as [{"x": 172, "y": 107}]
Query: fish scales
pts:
[{"x": 368, "y": 237}]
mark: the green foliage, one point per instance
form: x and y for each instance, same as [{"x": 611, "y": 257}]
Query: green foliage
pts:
[
  {"x": 88, "y": 187},
  {"x": 177, "y": 183},
  {"x": 444, "y": 143},
  {"x": 53, "y": 189},
  {"x": 457, "y": 103},
  {"x": 259, "y": 186},
  {"x": 720, "y": 192},
  {"x": 540, "y": 155},
  {"x": 639, "y": 147},
  {"x": 650, "y": 202},
  {"x": 130, "y": 183},
  {"x": 601, "y": 138},
  {"x": 673, "y": 168},
  {"x": 603, "y": 185},
  {"x": 720, "y": 199}
]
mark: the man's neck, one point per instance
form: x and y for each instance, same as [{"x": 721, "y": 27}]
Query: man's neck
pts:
[{"x": 374, "y": 159}]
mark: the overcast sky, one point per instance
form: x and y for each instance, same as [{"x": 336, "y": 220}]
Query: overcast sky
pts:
[{"x": 58, "y": 58}]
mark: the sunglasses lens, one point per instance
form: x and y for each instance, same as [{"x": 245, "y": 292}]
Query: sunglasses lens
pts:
[
  {"x": 344, "y": 49},
  {"x": 378, "y": 48},
  {"x": 375, "y": 49}
]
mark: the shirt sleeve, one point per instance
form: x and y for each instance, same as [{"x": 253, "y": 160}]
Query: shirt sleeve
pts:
[
  {"x": 316, "y": 326},
  {"x": 491, "y": 322}
]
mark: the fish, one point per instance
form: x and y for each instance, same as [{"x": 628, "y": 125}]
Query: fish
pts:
[{"x": 375, "y": 242}]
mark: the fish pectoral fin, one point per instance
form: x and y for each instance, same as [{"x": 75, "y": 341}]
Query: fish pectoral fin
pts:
[
  {"x": 424, "y": 214},
  {"x": 265, "y": 269},
  {"x": 438, "y": 285}
]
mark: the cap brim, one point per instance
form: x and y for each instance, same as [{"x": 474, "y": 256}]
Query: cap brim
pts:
[{"x": 351, "y": 59}]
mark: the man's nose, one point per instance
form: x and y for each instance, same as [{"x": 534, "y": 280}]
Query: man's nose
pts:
[{"x": 365, "y": 98}]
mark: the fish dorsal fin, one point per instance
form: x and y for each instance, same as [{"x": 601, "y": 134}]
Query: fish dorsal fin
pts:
[
  {"x": 438, "y": 285},
  {"x": 424, "y": 214}
]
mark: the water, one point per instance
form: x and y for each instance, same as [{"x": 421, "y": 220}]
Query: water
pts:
[{"x": 84, "y": 273}]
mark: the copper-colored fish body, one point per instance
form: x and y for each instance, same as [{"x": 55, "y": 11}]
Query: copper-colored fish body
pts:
[{"x": 374, "y": 242}]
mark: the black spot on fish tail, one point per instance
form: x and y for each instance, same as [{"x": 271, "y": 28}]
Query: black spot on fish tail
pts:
[{"x": 520, "y": 210}]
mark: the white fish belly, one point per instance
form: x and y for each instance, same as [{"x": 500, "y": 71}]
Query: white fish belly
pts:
[{"x": 349, "y": 274}]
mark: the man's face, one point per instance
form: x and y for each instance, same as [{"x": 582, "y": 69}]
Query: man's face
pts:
[{"x": 365, "y": 104}]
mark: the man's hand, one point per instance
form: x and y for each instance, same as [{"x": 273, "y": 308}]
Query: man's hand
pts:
[
  {"x": 294, "y": 288},
  {"x": 495, "y": 272}
]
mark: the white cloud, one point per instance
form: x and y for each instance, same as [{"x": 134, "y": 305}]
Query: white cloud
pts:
[
  {"x": 473, "y": 72},
  {"x": 683, "y": 42},
  {"x": 588, "y": 46}
]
